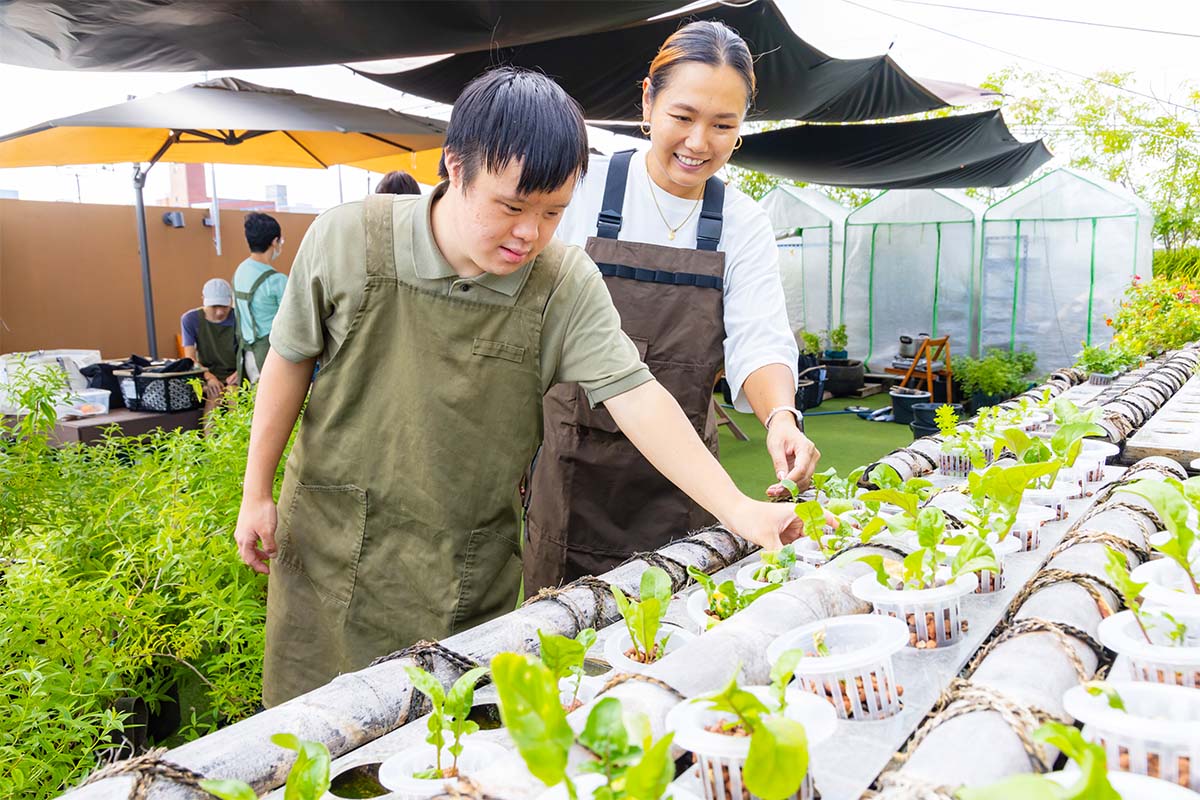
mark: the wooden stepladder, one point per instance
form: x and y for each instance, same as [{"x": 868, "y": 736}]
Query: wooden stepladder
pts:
[
  {"x": 931, "y": 350},
  {"x": 723, "y": 417}
]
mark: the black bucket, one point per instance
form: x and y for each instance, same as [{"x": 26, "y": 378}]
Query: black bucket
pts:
[
  {"x": 919, "y": 430},
  {"x": 903, "y": 402},
  {"x": 923, "y": 413}
]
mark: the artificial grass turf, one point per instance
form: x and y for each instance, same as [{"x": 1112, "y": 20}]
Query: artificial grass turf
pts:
[{"x": 845, "y": 442}]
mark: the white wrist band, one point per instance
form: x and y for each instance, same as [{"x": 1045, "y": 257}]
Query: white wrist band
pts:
[{"x": 774, "y": 411}]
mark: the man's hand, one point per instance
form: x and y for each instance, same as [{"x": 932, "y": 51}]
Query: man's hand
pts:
[
  {"x": 232, "y": 379},
  {"x": 255, "y": 526},
  {"x": 212, "y": 386},
  {"x": 793, "y": 454}
]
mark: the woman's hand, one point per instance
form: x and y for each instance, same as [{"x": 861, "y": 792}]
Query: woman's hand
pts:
[{"x": 793, "y": 454}]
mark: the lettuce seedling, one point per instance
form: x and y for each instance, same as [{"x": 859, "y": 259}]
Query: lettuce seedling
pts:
[
  {"x": 564, "y": 657},
  {"x": 308, "y": 779},
  {"x": 884, "y": 476},
  {"x": 1131, "y": 593},
  {"x": 836, "y": 488},
  {"x": 1067, "y": 413},
  {"x": 815, "y": 520},
  {"x": 1174, "y": 500},
  {"x": 1064, "y": 444},
  {"x": 630, "y": 772},
  {"x": 775, "y": 566},
  {"x": 725, "y": 599},
  {"x": 955, "y": 439},
  {"x": 1092, "y": 783},
  {"x": 920, "y": 567},
  {"x": 778, "y": 758},
  {"x": 450, "y": 714},
  {"x": 996, "y": 495},
  {"x": 534, "y": 717},
  {"x": 643, "y": 617},
  {"x": 1110, "y": 695}
]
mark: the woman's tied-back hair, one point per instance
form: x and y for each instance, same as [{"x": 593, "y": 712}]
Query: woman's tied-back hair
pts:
[
  {"x": 510, "y": 113},
  {"x": 704, "y": 42}
]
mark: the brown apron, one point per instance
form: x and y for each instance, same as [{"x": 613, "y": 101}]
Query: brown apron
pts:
[{"x": 594, "y": 499}]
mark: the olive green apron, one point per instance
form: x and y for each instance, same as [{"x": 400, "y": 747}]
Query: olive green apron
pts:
[
  {"x": 399, "y": 514},
  {"x": 261, "y": 344},
  {"x": 217, "y": 347}
]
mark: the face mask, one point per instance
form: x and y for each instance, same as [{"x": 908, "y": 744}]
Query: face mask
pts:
[{"x": 277, "y": 250}]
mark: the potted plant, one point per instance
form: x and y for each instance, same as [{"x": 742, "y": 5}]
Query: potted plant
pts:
[
  {"x": 994, "y": 378},
  {"x": 639, "y": 645},
  {"x": 753, "y": 742},
  {"x": 844, "y": 376},
  {"x": 1103, "y": 364},
  {"x": 628, "y": 765},
  {"x": 716, "y": 602},
  {"x": 564, "y": 657},
  {"x": 420, "y": 772},
  {"x": 773, "y": 566},
  {"x": 848, "y": 661},
  {"x": 921, "y": 589}
]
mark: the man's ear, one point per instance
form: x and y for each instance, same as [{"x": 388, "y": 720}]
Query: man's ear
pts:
[{"x": 453, "y": 169}]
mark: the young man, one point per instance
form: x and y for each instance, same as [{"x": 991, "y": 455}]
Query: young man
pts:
[
  {"x": 259, "y": 289},
  {"x": 210, "y": 340},
  {"x": 440, "y": 321}
]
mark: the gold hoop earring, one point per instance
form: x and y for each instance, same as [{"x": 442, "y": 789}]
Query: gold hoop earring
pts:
[
  {"x": 645, "y": 129},
  {"x": 738, "y": 146}
]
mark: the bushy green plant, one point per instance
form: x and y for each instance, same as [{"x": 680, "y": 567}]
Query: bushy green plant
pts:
[
  {"x": 838, "y": 339},
  {"x": 919, "y": 570},
  {"x": 999, "y": 373},
  {"x": 810, "y": 343},
  {"x": 120, "y": 579},
  {"x": 1157, "y": 315},
  {"x": 1105, "y": 360}
]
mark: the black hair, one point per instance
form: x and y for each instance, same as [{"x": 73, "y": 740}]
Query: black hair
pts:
[
  {"x": 261, "y": 231},
  {"x": 398, "y": 182},
  {"x": 703, "y": 42},
  {"x": 509, "y": 113}
]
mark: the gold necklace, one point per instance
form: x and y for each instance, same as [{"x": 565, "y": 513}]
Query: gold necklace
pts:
[{"x": 670, "y": 231}]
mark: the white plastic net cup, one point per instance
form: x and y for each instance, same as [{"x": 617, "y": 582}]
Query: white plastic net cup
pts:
[
  {"x": 720, "y": 757},
  {"x": 745, "y": 575},
  {"x": 1155, "y": 661},
  {"x": 989, "y": 581},
  {"x": 857, "y": 677},
  {"x": 1167, "y": 585},
  {"x": 1072, "y": 481},
  {"x": 1094, "y": 456},
  {"x": 1157, "y": 735},
  {"x": 396, "y": 773},
  {"x": 617, "y": 644},
  {"x": 1130, "y": 786},
  {"x": 1054, "y": 498},
  {"x": 933, "y": 616},
  {"x": 1027, "y": 529}
]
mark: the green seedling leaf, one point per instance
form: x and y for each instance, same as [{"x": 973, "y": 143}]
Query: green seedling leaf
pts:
[
  {"x": 782, "y": 672},
  {"x": 737, "y": 701},
  {"x": 1169, "y": 500},
  {"x": 604, "y": 733},
  {"x": 1067, "y": 441},
  {"x": 792, "y": 489},
  {"x": 908, "y": 503},
  {"x": 876, "y": 562},
  {"x": 562, "y": 656},
  {"x": 1024, "y": 787},
  {"x": 458, "y": 707},
  {"x": 656, "y": 584},
  {"x": 813, "y": 517},
  {"x": 1101, "y": 689},
  {"x": 778, "y": 758},
  {"x": 649, "y": 778},
  {"x": 533, "y": 716},
  {"x": 873, "y": 526},
  {"x": 931, "y": 527},
  {"x": 308, "y": 779},
  {"x": 228, "y": 790},
  {"x": 1117, "y": 570},
  {"x": 1093, "y": 781},
  {"x": 974, "y": 555},
  {"x": 884, "y": 476}
]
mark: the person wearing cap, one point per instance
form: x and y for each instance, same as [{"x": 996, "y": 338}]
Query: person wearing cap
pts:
[{"x": 210, "y": 340}]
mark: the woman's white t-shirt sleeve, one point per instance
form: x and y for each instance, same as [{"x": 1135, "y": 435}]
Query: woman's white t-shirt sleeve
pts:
[{"x": 756, "y": 325}]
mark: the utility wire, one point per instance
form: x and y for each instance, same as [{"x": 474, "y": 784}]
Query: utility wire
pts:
[
  {"x": 1011, "y": 54},
  {"x": 1090, "y": 23}
]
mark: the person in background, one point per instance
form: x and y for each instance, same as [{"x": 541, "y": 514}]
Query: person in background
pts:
[
  {"x": 398, "y": 182},
  {"x": 259, "y": 290},
  {"x": 210, "y": 340},
  {"x": 692, "y": 268}
]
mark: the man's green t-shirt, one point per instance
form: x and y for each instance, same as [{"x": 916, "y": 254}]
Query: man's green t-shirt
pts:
[{"x": 261, "y": 312}]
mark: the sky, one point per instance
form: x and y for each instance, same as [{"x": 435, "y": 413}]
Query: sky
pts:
[{"x": 927, "y": 41}]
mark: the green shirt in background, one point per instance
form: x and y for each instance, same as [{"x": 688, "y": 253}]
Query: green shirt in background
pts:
[
  {"x": 582, "y": 341},
  {"x": 265, "y": 306}
]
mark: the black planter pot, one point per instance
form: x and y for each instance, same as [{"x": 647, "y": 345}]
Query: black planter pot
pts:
[
  {"x": 923, "y": 413},
  {"x": 903, "y": 401},
  {"x": 844, "y": 376},
  {"x": 919, "y": 430}
]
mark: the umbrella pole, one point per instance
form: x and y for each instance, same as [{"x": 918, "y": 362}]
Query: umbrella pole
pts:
[{"x": 139, "y": 183}]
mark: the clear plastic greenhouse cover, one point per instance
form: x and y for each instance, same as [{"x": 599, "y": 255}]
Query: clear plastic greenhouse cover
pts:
[
  {"x": 910, "y": 269},
  {"x": 809, "y": 228},
  {"x": 1057, "y": 256}
]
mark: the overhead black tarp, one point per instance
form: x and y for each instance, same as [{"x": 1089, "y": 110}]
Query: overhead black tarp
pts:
[
  {"x": 943, "y": 153},
  {"x": 177, "y": 35},
  {"x": 603, "y": 71}
]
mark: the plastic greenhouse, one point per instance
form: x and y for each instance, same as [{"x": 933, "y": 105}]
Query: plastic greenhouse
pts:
[
  {"x": 1056, "y": 257},
  {"x": 910, "y": 269},
  {"x": 809, "y": 228}
]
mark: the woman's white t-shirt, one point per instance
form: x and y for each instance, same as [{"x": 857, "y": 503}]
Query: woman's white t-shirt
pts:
[{"x": 756, "y": 323}]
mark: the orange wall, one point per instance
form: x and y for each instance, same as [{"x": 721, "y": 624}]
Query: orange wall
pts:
[{"x": 70, "y": 275}]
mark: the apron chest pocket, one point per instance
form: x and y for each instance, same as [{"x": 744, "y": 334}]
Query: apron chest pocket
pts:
[
  {"x": 322, "y": 536},
  {"x": 509, "y": 352}
]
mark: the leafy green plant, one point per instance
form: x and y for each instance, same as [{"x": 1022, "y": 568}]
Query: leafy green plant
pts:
[
  {"x": 833, "y": 487},
  {"x": 775, "y": 566},
  {"x": 1157, "y": 315},
  {"x": 1067, "y": 413},
  {"x": 308, "y": 779},
  {"x": 816, "y": 520},
  {"x": 782, "y": 672},
  {"x": 529, "y": 707},
  {"x": 1105, "y": 690},
  {"x": 810, "y": 343},
  {"x": 451, "y": 711},
  {"x": 998, "y": 373},
  {"x": 1104, "y": 361},
  {"x": 1174, "y": 500},
  {"x": 778, "y": 758},
  {"x": 919, "y": 569},
  {"x": 956, "y": 439},
  {"x": 565, "y": 657},
  {"x": 838, "y": 340},
  {"x": 725, "y": 598},
  {"x": 995, "y": 495},
  {"x": 1092, "y": 783},
  {"x": 643, "y": 617}
]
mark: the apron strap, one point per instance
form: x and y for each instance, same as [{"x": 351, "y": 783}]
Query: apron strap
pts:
[
  {"x": 248, "y": 298},
  {"x": 661, "y": 276},
  {"x": 377, "y": 221},
  {"x": 543, "y": 277},
  {"x": 608, "y": 225}
]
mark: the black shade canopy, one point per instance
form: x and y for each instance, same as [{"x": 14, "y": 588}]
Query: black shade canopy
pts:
[
  {"x": 183, "y": 35},
  {"x": 603, "y": 71},
  {"x": 949, "y": 152}
]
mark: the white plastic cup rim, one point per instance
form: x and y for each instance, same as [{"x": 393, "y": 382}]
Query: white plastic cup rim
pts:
[
  {"x": 1120, "y": 633},
  {"x": 616, "y": 645},
  {"x": 1183, "y": 701},
  {"x": 1132, "y": 786},
  {"x": 688, "y": 718},
  {"x": 744, "y": 578},
  {"x": 1166, "y": 585},
  {"x": 1033, "y": 514},
  {"x": 891, "y": 636},
  {"x": 868, "y": 588},
  {"x": 396, "y": 772}
]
